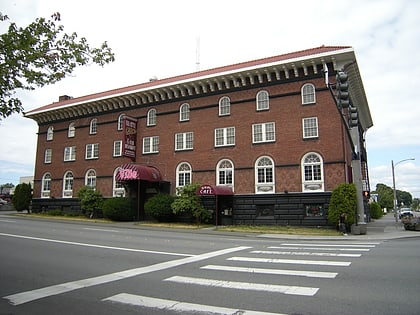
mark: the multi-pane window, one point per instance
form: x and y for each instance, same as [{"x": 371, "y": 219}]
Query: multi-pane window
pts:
[
  {"x": 50, "y": 133},
  {"x": 46, "y": 186},
  {"x": 90, "y": 178},
  {"x": 184, "y": 141},
  {"x": 70, "y": 153},
  {"x": 120, "y": 122},
  {"x": 184, "y": 112},
  {"x": 264, "y": 175},
  {"x": 312, "y": 177},
  {"x": 225, "y": 173},
  {"x": 224, "y": 106},
  {"x": 263, "y": 100},
  {"x": 92, "y": 151},
  {"x": 310, "y": 127},
  {"x": 93, "y": 126},
  {"x": 183, "y": 175},
  {"x": 263, "y": 132},
  {"x": 117, "y": 148},
  {"x": 224, "y": 136},
  {"x": 151, "y": 117},
  {"x": 72, "y": 131},
  {"x": 48, "y": 156},
  {"x": 118, "y": 189},
  {"x": 308, "y": 94},
  {"x": 151, "y": 145},
  {"x": 68, "y": 185}
]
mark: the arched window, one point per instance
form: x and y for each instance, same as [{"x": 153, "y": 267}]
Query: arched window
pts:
[
  {"x": 151, "y": 117},
  {"x": 72, "y": 131},
  {"x": 224, "y": 106},
  {"x": 264, "y": 175},
  {"x": 50, "y": 133},
  {"x": 184, "y": 112},
  {"x": 263, "y": 102},
  {"x": 225, "y": 173},
  {"x": 90, "y": 178},
  {"x": 68, "y": 185},
  {"x": 308, "y": 94},
  {"x": 117, "y": 186},
  {"x": 93, "y": 126},
  {"x": 312, "y": 173},
  {"x": 46, "y": 186},
  {"x": 120, "y": 122},
  {"x": 183, "y": 174}
]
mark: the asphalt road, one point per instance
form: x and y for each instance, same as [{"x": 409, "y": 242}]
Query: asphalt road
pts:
[{"x": 50, "y": 267}]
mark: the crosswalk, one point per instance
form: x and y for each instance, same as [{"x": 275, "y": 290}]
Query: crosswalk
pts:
[{"x": 283, "y": 261}]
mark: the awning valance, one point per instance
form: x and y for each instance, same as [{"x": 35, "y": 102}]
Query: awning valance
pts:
[
  {"x": 136, "y": 171},
  {"x": 214, "y": 190}
]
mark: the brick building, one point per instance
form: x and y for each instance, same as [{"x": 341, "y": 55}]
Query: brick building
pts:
[{"x": 266, "y": 136}]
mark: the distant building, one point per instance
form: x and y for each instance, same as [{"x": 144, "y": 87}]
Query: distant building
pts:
[{"x": 268, "y": 130}]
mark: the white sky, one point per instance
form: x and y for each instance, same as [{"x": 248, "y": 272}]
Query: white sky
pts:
[{"x": 159, "y": 38}]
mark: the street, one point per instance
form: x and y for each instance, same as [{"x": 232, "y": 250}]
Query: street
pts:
[{"x": 53, "y": 267}]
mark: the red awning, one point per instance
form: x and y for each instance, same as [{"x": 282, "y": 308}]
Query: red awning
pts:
[
  {"x": 136, "y": 171},
  {"x": 214, "y": 190}
]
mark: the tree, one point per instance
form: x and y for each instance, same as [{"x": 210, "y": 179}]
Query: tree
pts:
[
  {"x": 386, "y": 196},
  {"x": 90, "y": 200},
  {"x": 343, "y": 200},
  {"x": 22, "y": 197},
  {"x": 38, "y": 55}
]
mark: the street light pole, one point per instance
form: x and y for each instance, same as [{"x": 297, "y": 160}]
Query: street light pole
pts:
[{"x": 393, "y": 181}]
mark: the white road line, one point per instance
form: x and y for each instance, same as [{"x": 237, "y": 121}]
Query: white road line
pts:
[
  {"x": 320, "y": 248},
  {"x": 367, "y": 245},
  {"x": 283, "y": 272},
  {"x": 293, "y": 261},
  {"x": 7, "y": 221},
  {"x": 268, "y": 252},
  {"x": 96, "y": 245},
  {"x": 24, "y": 297},
  {"x": 101, "y": 230},
  {"x": 178, "y": 306},
  {"x": 285, "y": 289}
]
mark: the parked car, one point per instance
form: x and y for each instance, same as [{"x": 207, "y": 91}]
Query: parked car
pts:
[
  {"x": 3, "y": 202},
  {"x": 405, "y": 212}
]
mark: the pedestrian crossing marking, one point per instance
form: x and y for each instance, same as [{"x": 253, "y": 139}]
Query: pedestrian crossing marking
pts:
[
  {"x": 283, "y": 272},
  {"x": 293, "y": 261},
  {"x": 320, "y": 248},
  {"x": 285, "y": 289},
  {"x": 304, "y": 254},
  {"x": 366, "y": 245}
]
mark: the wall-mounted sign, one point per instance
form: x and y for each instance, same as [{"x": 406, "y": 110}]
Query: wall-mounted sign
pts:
[{"x": 130, "y": 137}]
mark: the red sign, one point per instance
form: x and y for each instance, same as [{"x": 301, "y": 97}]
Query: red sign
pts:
[{"x": 130, "y": 137}]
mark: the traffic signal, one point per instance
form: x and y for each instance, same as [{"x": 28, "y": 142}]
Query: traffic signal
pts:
[
  {"x": 353, "y": 117},
  {"x": 342, "y": 86}
]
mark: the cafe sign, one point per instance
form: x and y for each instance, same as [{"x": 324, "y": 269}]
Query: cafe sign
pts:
[{"x": 130, "y": 137}]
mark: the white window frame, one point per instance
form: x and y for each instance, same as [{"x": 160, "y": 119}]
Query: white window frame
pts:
[
  {"x": 225, "y": 173},
  {"x": 312, "y": 168},
  {"x": 224, "y": 106},
  {"x": 118, "y": 189},
  {"x": 184, "y": 112},
  {"x": 224, "y": 137},
  {"x": 90, "y": 178},
  {"x": 263, "y": 100},
  {"x": 69, "y": 154},
  {"x": 46, "y": 186},
  {"x": 151, "y": 117},
  {"x": 310, "y": 127},
  {"x": 183, "y": 174},
  {"x": 68, "y": 181},
  {"x": 92, "y": 151},
  {"x": 48, "y": 156},
  {"x": 117, "y": 151},
  {"x": 264, "y": 132},
  {"x": 50, "y": 133},
  {"x": 150, "y": 145},
  {"x": 120, "y": 122},
  {"x": 93, "y": 128},
  {"x": 184, "y": 141},
  {"x": 264, "y": 175},
  {"x": 308, "y": 94},
  {"x": 72, "y": 131}
]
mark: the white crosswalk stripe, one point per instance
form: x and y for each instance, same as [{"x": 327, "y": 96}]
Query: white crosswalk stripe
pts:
[
  {"x": 293, "y": 261},
  {"x": 267, "y": 252}
]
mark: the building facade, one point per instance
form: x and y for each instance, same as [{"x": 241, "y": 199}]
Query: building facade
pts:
[{"x": 269, "y": 130}]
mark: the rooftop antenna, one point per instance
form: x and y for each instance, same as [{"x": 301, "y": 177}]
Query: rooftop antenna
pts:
[{"x": 197, "y": 54}]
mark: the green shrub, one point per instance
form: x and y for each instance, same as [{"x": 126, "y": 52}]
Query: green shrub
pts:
[
  {"x": 22, "y": 197},
  {"x": 375, "y": 210},
  {"x": 159, "y": 207},
  {"x": 119, "y": 209},
  {"x": 343, "y": 200},
  {"x": 90, "y": 201},
  {"x": 55, "y": 212}
]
